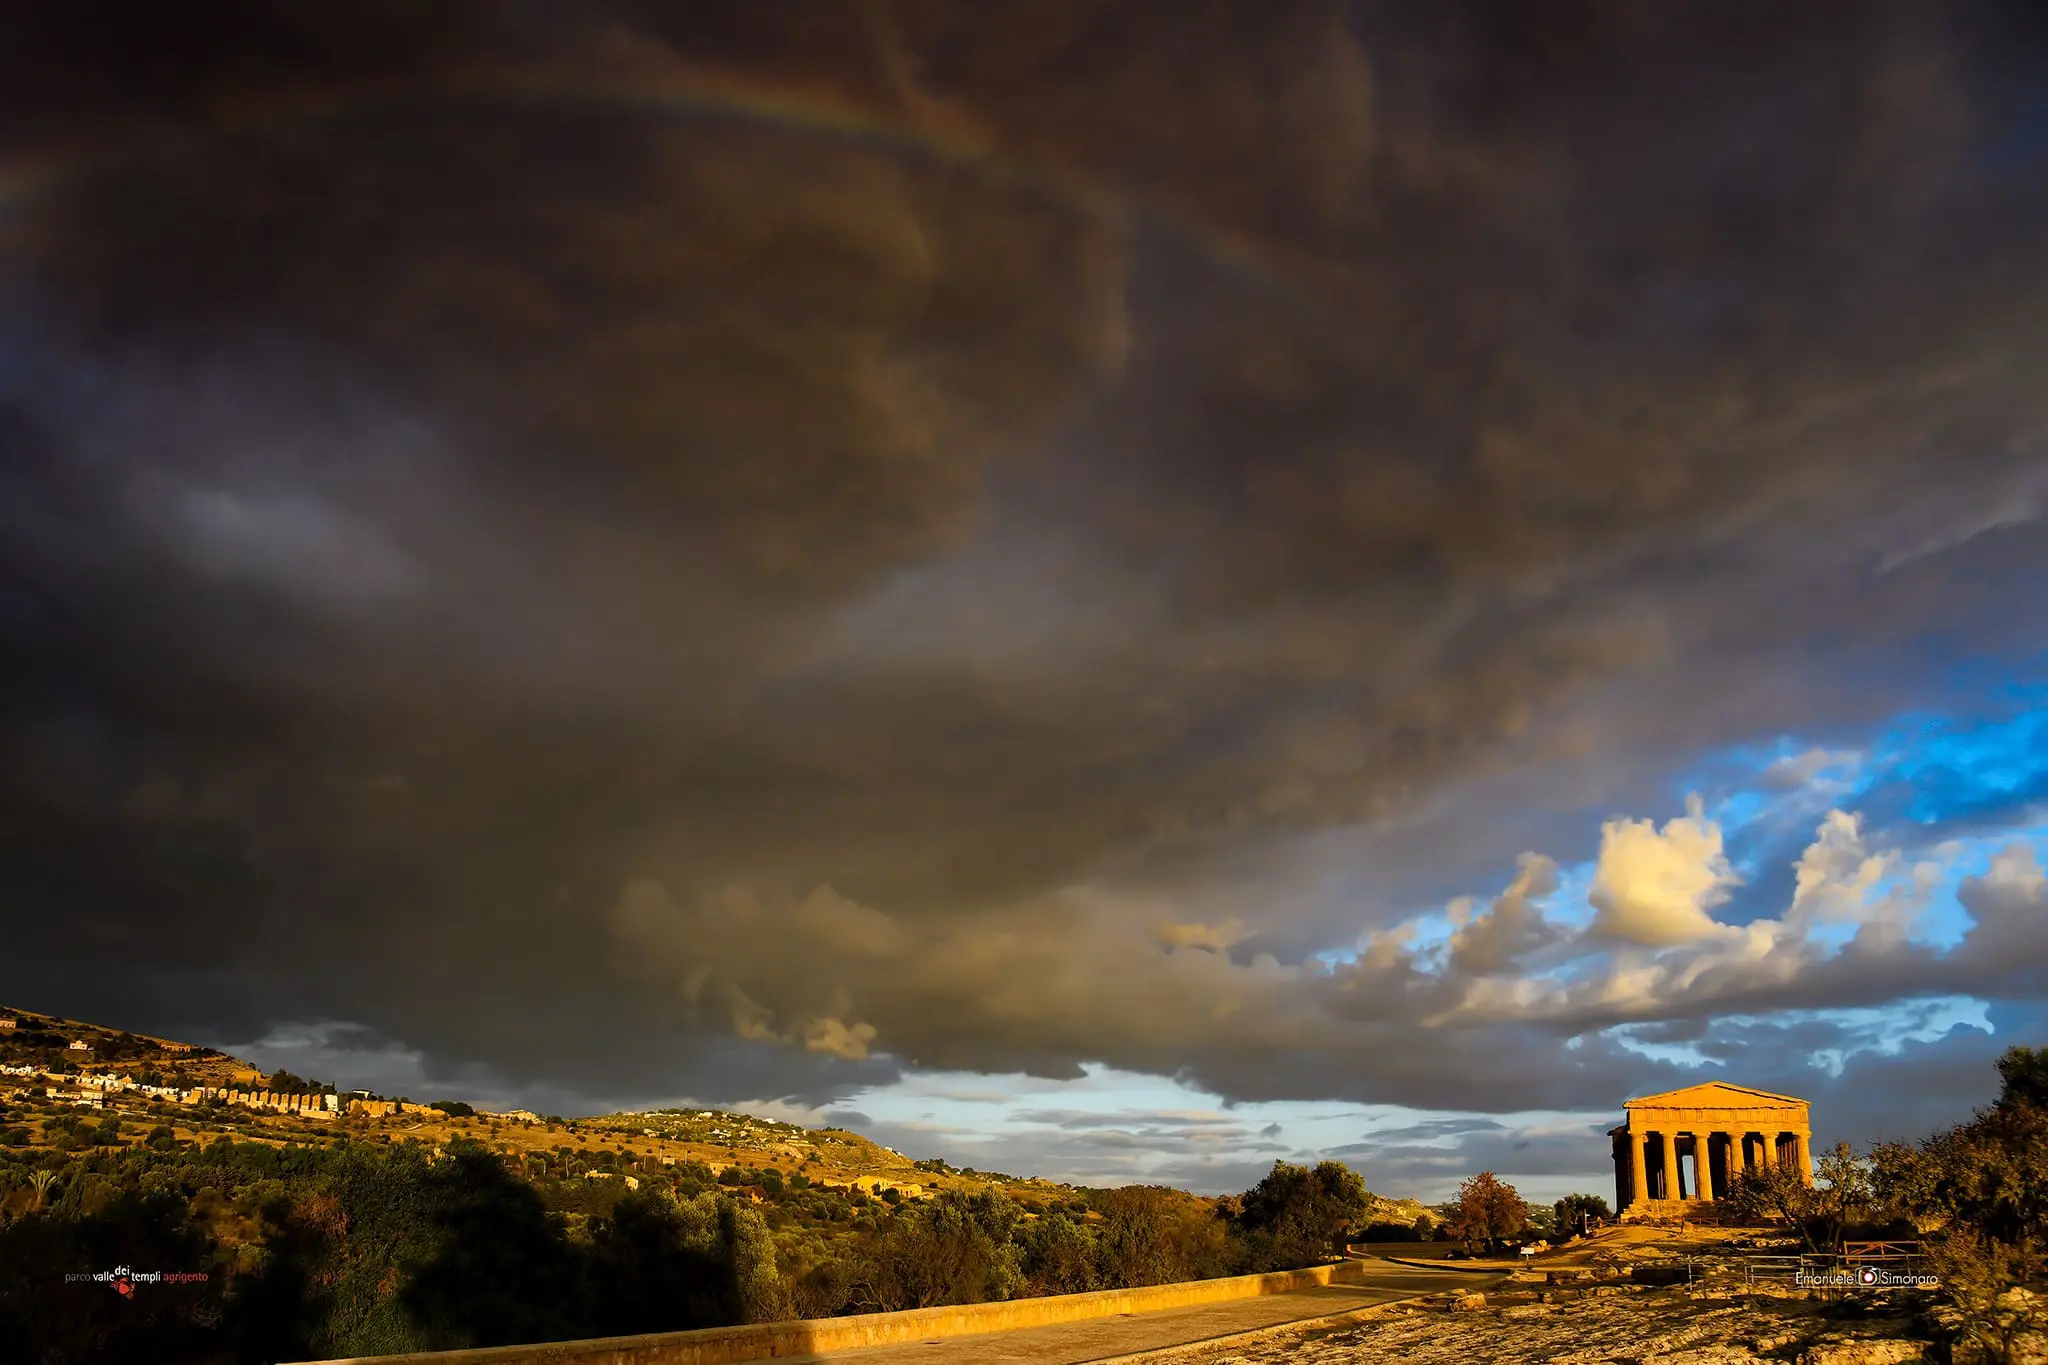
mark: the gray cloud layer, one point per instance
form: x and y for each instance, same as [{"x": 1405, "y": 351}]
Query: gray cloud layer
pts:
[{"x": 532, "y": 527}]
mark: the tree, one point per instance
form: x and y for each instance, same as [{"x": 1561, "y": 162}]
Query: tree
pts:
[
  {"x": 1058, "y": 1256},
  {"x": 1575, "y": 1210},
  {"x": 1303, "y": 1214},
  {"x": 1980, "y": 1193},
  {"x": 1770, "y": 1193},
  {"x": 953, "y": 1249},
  {"x": 1153, "y": 1235},
  {"x": 1488, "y": 1209},
  {"x": 662, "y": 1265},
  {"x": 44, "y": 1317},
  {"x": 2023, "y": 1078},
  {"x": 1840, "y": 1195},
  {"x": 1842, "y": 1191}
]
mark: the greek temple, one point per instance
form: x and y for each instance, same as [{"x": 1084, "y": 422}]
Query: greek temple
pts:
[{"x": 1681, "y": 1147}]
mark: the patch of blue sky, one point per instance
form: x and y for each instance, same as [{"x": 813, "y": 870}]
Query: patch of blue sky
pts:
[
  {"x": 1738, "y": 810},
  {"x": 1567, "y": 907},
  {"x": 1955, "y": 761},
  {"x": 1919, "y": 778},
  {"x": 1945, "y": 921},
  {"x": 1430, "y": 935},
  {"x": 1919, "y": 772},
  {"x": 1678, "y": 1054},
  {"x": 1884, "y": 1030},
  {"x": 1879, "y": 1029},
  {"x": 1956, "y": 767},
  {"x": 1571, "y": 905},
  {"x": 1427, "y": 935}
]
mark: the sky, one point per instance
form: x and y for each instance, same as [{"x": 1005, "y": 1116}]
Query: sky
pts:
[{"x": 1118, "y": 591}]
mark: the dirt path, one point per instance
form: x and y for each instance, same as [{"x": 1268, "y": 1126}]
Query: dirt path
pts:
[{"x": 1652, "y": 1327}]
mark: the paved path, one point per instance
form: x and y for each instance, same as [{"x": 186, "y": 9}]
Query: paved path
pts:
[{"x": 1070, "y": 1343}]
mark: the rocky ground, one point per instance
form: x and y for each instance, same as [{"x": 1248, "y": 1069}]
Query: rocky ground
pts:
[{"x": 1666, "y": 1326}]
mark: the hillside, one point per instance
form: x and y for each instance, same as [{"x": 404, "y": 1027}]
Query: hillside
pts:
[
  {"x": 1403, "y": 1211},
  {"x": 827, "y": 1156},
  {"x": 50, "y": 1042},
  {"x": 735, "y": 1147},
  {"x": 47, "y": 1063},
  {"x": 355, "y": 1212}
]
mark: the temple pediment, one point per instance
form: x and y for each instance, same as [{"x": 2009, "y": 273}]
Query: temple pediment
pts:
[{"x": 1716, "y": 1095}]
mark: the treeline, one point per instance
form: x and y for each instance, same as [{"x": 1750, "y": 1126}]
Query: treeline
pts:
[
  {"x": 366, "y": 1249},
  {"x": 976, "y": 1247}
]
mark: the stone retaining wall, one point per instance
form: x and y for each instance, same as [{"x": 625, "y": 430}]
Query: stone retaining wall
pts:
[{"x": 775, "y": 1340}]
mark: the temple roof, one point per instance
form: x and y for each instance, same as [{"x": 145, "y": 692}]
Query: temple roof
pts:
[{"x": 1716, "y": 1095}]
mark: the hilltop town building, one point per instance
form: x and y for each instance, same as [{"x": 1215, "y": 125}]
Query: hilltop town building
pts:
[
  {"x": 1680, "y": 1148},
  {"x": 94, "y": 1089}
]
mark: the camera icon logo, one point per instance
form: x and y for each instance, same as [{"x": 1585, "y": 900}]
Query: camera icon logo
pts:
[{"x": 1868, "y": 1275}]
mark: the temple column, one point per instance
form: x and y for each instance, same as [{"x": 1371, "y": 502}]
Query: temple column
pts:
[
  {"x": 1804, "y": 1156},
  {"x": 1703, "y": 1164},
  {"x": 1639, "y": 1169},
  {"x": 1738, "y": 1157},
  {"x": 1671, "y": 1185}
]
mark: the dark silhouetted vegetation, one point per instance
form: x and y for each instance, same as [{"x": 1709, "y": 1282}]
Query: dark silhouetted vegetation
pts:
[
  {"x": 1979, "y": 1192},
  {"x": 368, "y": 1248}
]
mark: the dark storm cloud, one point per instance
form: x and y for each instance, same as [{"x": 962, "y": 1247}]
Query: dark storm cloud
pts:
[{"x": 504, "y": 506}]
